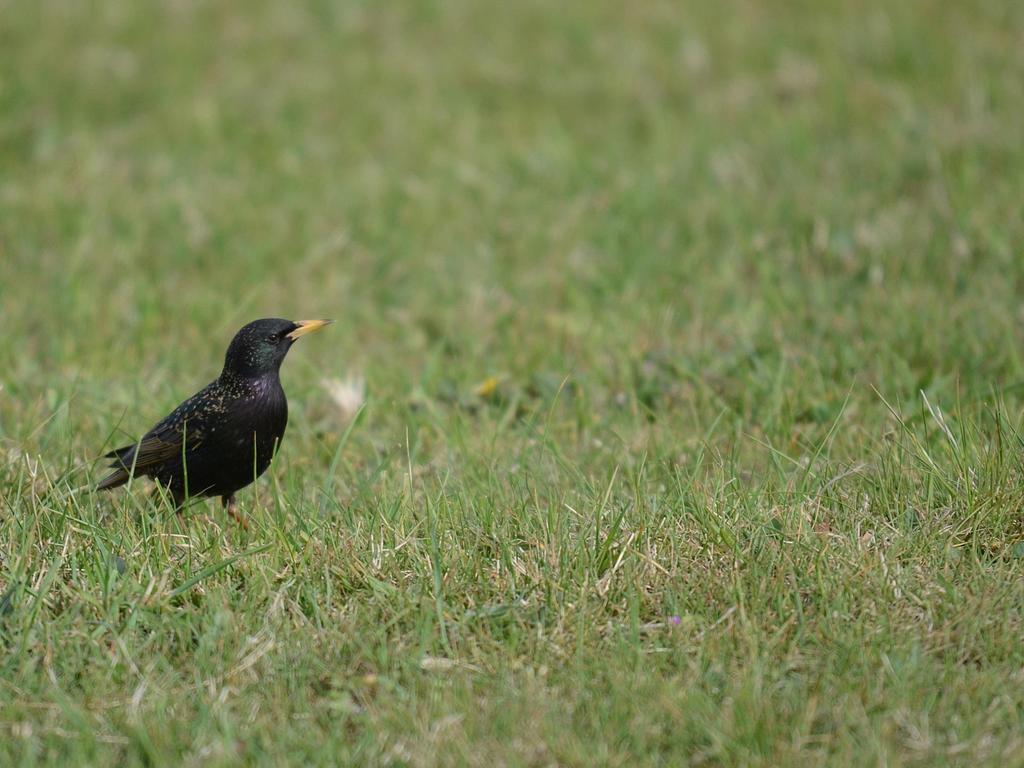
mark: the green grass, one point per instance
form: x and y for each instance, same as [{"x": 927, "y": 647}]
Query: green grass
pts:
[{"x": 749, "y": 275}]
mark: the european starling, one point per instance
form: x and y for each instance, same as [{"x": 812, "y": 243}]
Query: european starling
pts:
[{"x": 224, "y": 436}]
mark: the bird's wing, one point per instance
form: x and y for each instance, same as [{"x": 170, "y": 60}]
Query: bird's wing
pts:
[
  {"x": 174, "y": 436},
  {"x": 156, "y": 447}
]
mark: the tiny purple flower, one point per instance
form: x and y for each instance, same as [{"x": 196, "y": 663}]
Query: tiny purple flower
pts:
[{"x": 675, "y": 621}]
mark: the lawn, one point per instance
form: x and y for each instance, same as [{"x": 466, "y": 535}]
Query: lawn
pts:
[{"x": 692, "y": 337}]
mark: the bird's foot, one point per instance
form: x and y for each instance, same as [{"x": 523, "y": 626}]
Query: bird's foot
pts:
[{"x": 231, "y": 505}]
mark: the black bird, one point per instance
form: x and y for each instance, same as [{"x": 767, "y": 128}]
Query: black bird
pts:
[{"x": 224, "y": 436}]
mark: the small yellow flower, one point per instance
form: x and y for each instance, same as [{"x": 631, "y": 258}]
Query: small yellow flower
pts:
[{"x": 487, "y": 387}]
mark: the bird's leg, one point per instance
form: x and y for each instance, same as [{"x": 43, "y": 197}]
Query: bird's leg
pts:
[{"x": 231, "y": 505}]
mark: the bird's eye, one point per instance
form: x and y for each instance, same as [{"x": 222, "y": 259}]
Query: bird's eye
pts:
[{"x": 273, "y": 338}]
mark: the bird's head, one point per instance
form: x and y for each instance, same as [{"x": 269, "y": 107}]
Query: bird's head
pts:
[{"x": 260, "y": 347}]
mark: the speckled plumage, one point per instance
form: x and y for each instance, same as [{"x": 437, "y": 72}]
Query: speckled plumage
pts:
[{"x": 224, "y": 436}]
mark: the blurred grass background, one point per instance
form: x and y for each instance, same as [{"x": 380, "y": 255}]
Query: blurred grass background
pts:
[{"x": 712, "y": 255}]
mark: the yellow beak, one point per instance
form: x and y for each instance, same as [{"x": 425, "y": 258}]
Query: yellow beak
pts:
[{"x": 307, "y": 326}]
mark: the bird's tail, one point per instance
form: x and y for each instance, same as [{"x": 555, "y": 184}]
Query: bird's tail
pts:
[
  {"x": 122, "y": 471},
  {"x": 113, "y": 480}
]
